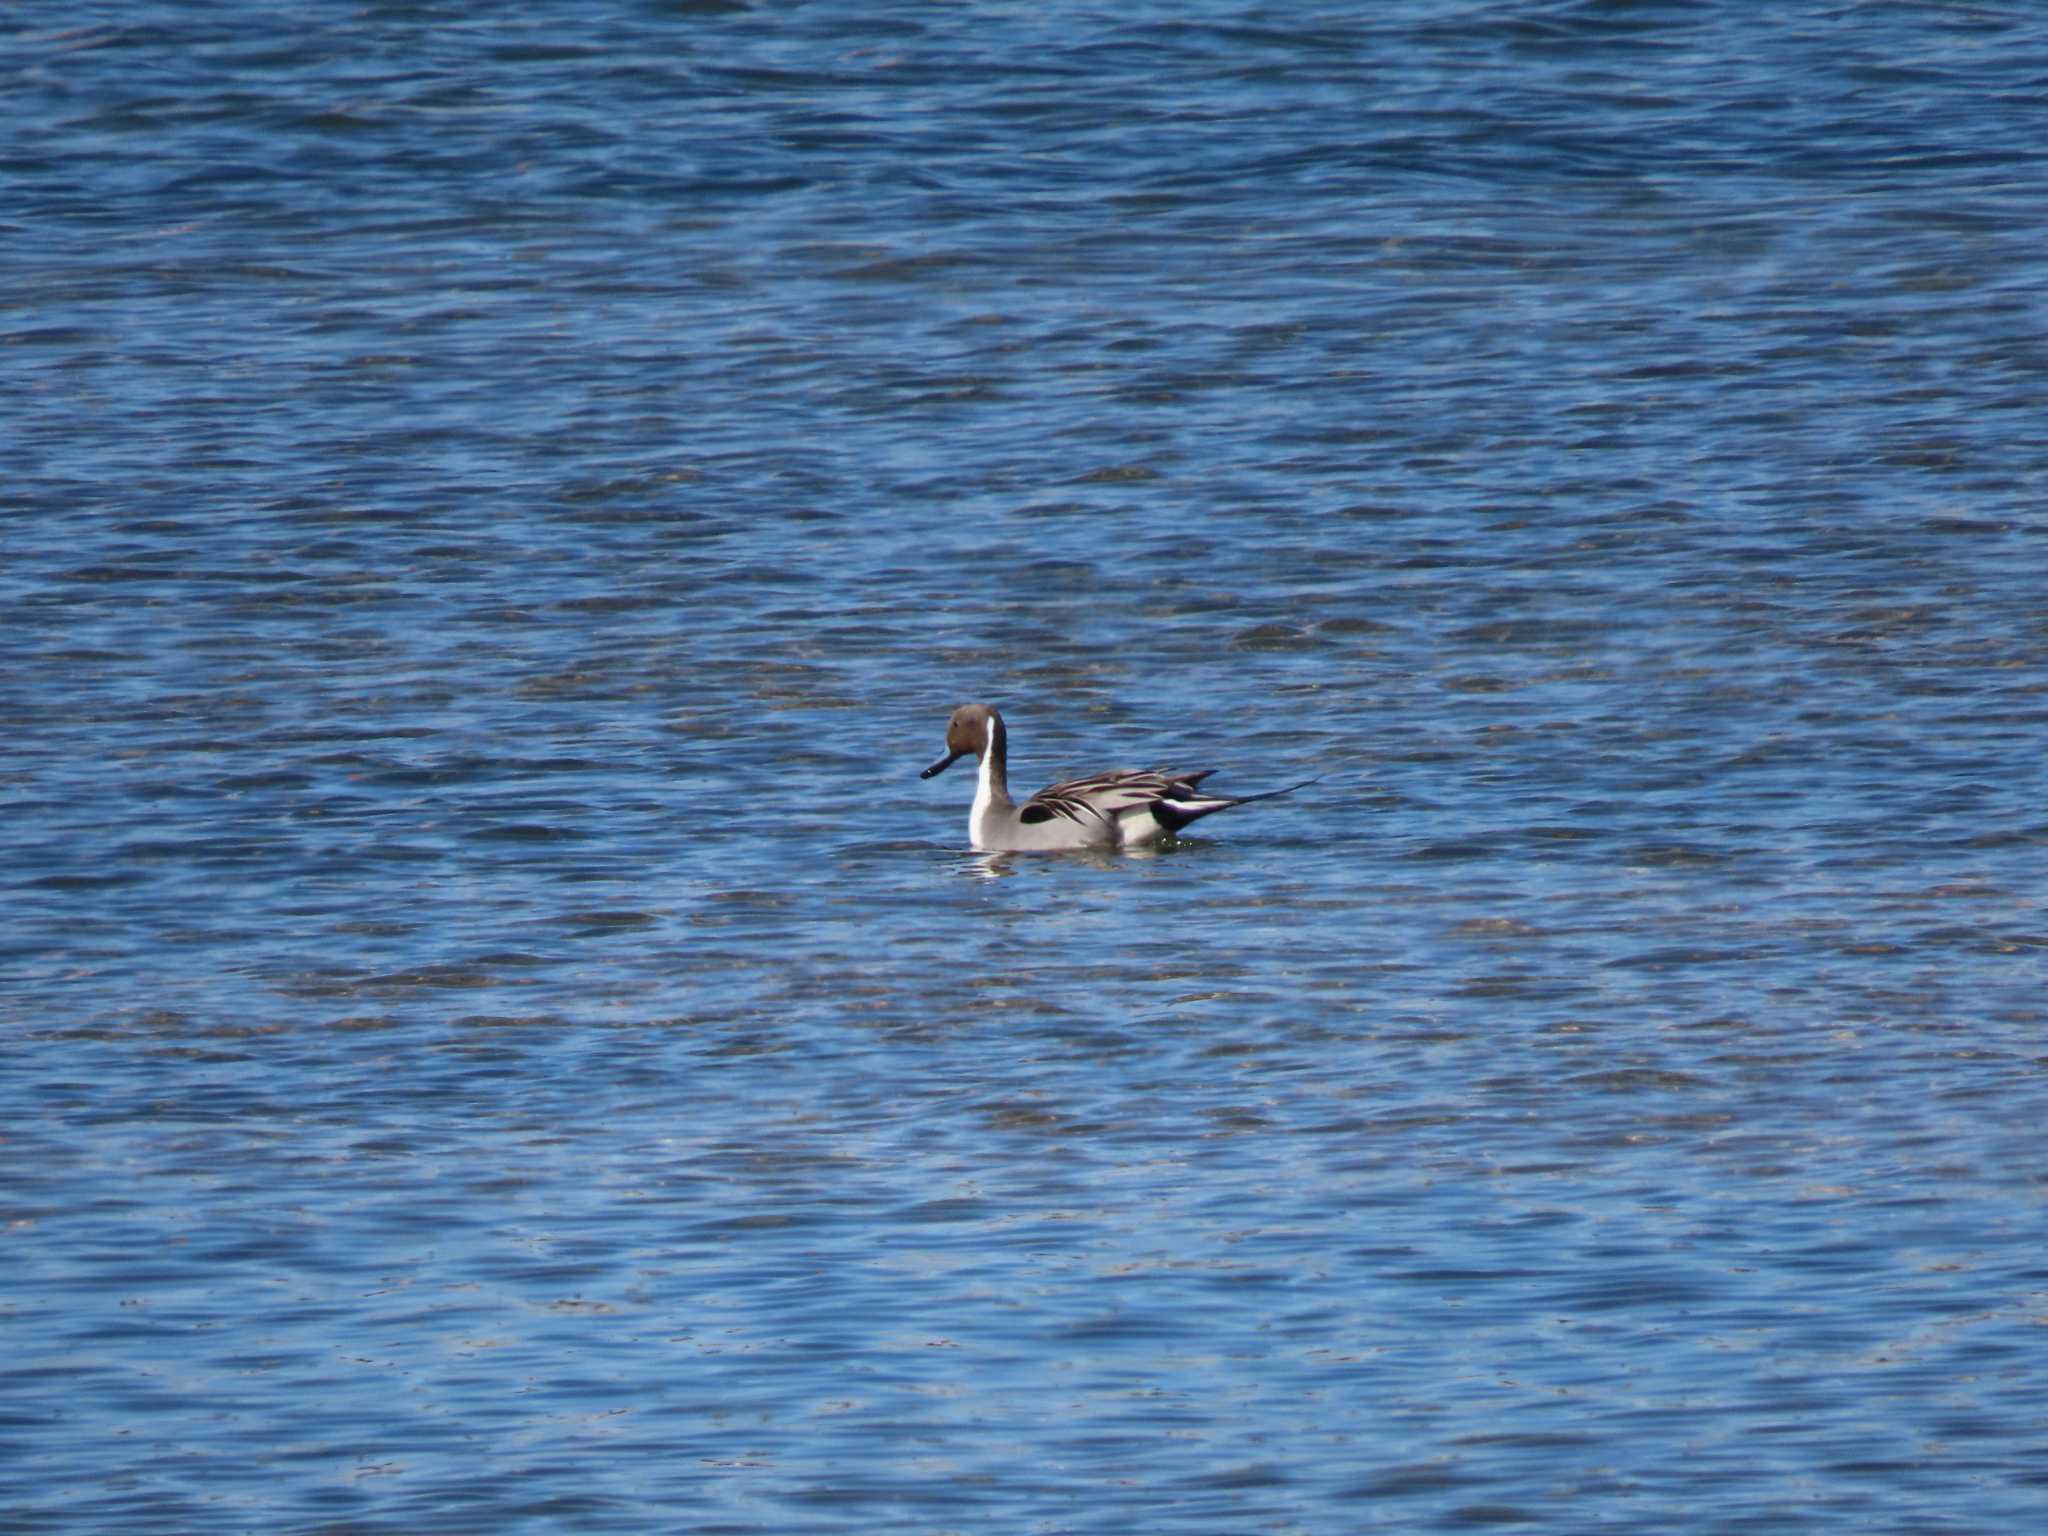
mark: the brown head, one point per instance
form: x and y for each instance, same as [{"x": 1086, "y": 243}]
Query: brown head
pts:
[{"x": 972, "y": 729}]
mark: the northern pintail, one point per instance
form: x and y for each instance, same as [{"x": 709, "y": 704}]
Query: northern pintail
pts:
[{"x": 1125, "y": 809}]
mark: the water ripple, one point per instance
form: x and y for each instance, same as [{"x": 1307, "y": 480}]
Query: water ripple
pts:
[{"x": 500, "y": 1035}]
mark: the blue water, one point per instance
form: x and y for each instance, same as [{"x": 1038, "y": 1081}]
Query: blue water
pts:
[{"x": 496, "y": 510}]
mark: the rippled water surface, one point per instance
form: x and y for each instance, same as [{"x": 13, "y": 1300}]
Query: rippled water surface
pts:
[{"x": 494, "y": 513}]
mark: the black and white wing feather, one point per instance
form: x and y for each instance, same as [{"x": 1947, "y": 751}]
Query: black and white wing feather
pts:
[{"x": 1103, "y": 797}]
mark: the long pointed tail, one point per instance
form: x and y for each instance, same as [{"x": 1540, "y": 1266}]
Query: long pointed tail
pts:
[
  {"x": 1175, "y": 814},
  {"x": 1272, "y": 794}
]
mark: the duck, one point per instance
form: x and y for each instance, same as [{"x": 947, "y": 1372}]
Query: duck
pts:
[{"x": 1127, "y": 808}]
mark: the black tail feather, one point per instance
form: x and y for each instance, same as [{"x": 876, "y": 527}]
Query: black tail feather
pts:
[
  {"x": 1273, "y": 794},
  {"x": 1175, "y": 814}
]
